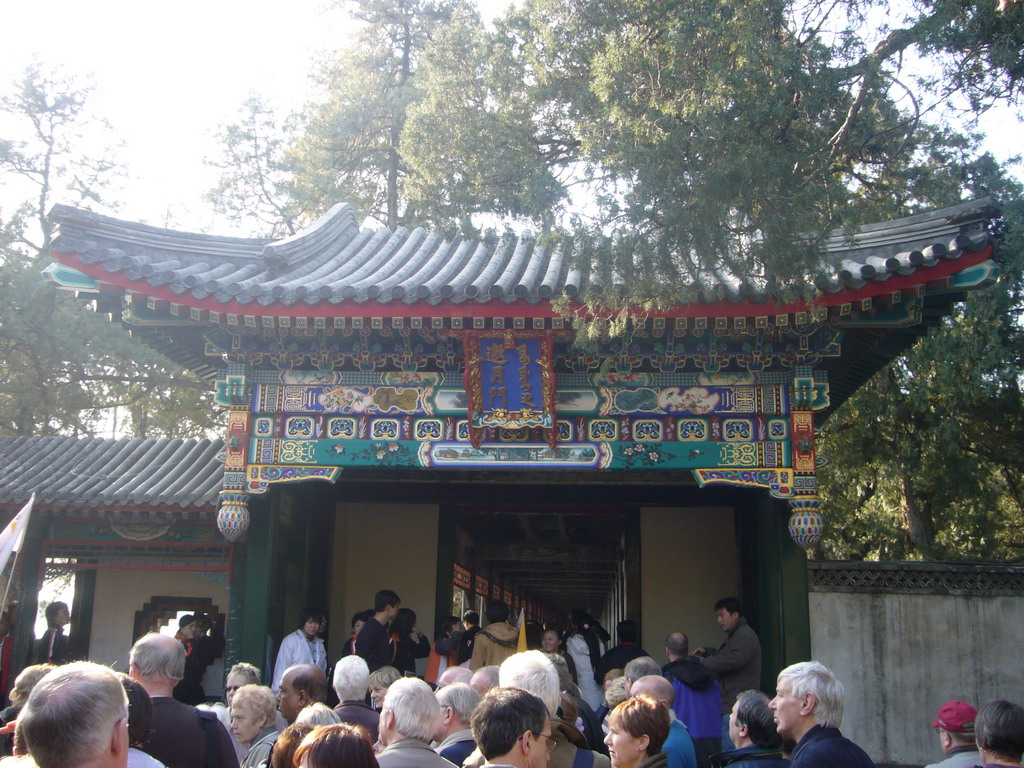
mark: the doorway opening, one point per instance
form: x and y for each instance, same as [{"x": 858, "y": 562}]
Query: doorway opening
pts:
[{"x": 549, "y": 559}]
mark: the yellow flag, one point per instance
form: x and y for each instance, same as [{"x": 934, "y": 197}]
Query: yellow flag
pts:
[{"x": 521, "y": 646}]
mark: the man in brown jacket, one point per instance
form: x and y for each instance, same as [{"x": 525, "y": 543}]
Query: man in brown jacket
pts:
[
  {"x": 497, "y": 641},
  {"x": 736, "y": 663}
]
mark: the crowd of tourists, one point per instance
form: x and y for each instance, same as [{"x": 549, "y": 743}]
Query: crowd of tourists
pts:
[{"x": 573, "y": 701}]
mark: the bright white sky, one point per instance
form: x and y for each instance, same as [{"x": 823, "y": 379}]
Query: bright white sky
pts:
[{"x": 166, "y": 78}]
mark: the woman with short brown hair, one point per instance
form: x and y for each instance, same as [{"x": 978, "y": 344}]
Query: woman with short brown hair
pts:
[{"x": 637, "y": 729}]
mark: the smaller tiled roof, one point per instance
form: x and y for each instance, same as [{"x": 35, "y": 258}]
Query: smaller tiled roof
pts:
[
  {"x": 334, "y": 261},
  {"x": 95, "y": 473}
]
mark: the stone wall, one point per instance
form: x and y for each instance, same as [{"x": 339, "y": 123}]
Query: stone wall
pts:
[{"x": 906, "y": 637}]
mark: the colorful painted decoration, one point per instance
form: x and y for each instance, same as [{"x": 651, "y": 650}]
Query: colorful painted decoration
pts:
[
  {"x": 510, "y": 383},
  {"x": 805, "y": 525},
  {"x": 233, "y": 515}
]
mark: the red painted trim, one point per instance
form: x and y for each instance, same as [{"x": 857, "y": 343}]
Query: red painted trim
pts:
[{"x": 520, "y": 308}]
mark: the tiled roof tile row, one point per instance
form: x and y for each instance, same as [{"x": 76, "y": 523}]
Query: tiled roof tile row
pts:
[
  {"x": 335, "y": 261},
  {"x": 98, "y": 473}
]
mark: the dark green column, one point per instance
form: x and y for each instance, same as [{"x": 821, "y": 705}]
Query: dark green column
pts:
[
  {"x": 446, "y": 567},
  {"x": 81, "y": 613},
  {"x": 775, "y": 586},
  {"x": 251, "y": 582},
  {"x": 632, "y": 554}
]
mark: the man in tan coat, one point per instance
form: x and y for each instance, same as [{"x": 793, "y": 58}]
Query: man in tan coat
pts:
[{"x": 497, "y": 641}]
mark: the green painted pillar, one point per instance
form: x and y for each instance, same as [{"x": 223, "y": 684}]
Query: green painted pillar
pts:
[
  {"x": 251, "y": 580},
  {"x": 446, "y": 538},
  {"x": 775, "y": 586}
]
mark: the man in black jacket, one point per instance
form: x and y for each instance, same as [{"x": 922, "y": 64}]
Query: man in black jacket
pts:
[
  {"x": 53, "y": 647},
  {"x": 373, "y": 643},
  {"x": 471, "y": 622},
  {"x": 623, "y": 653},
  {"x": 182, "y": 736}
]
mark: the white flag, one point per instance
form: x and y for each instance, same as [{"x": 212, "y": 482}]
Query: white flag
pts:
[{"x": 14, "y": 534}]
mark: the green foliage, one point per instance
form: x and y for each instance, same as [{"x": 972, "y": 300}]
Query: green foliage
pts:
[
  {"x": 64, "y": 369},
  {"x": 256, "y": 184},
  {"x": 683, "y": 141},
  {"x": 351, "y": 146}
]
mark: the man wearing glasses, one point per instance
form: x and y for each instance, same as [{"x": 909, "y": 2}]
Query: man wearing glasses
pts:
[{"x": 512, "y": 728}]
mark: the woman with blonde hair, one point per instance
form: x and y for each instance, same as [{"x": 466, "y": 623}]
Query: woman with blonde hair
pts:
[
  {"x": 614, "y": 694},
  {"x": 23, "y": 686},
  {"x": 637, "y": 729},
  {"x": 317, "y": 714},
  {"x": 254, "y": 723},
  {"x": 380, "y": 681}
]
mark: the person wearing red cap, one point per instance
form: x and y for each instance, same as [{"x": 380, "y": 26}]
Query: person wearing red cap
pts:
[{"x": 955, "y": 726}]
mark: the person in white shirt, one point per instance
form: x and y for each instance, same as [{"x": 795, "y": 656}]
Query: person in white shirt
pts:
[{"x": 303, "y": 646}]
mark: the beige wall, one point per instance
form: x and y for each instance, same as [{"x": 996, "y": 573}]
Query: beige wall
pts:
[
  {"x": 383, "y": 546},
  {"x": 120, "y": 593},
  {"x": 679, "y": 590}
]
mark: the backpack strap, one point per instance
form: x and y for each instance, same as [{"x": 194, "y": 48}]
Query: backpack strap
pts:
[
  {"x": 584, "y": 759},
  {"x": 209, "y": 722}
]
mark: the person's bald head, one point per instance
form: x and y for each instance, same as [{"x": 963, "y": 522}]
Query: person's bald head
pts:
[
  {"x": 454, "y": 675},
  {"x": 301, "y": 685},
  {"x": 655, "y": 686},
  {"x": 484, "y": 679},
  {"x": 158, "y": 662},
  {"x": 677, "y": 646}
]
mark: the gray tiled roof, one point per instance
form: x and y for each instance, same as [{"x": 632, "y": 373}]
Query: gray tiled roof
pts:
[
  {"x": 91, "y": 473},
  {"x": 335, "y": 260}
]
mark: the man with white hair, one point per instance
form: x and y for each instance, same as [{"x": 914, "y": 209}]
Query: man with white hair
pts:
[
  {"x": 408, "y": 721},
  {"x": 182, "y": 736},
  {"x": 533, "y": 671},
  {"x": 808, "y": 707},
  {"x": 351, "y": 679},
  {"x": 637, "y": 668},
  {"x": 77, "y": 717},
  {"x": 455, "y": 735}
]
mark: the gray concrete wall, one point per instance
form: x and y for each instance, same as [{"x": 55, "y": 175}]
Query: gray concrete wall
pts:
[{"x": 901, "y": 656}]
